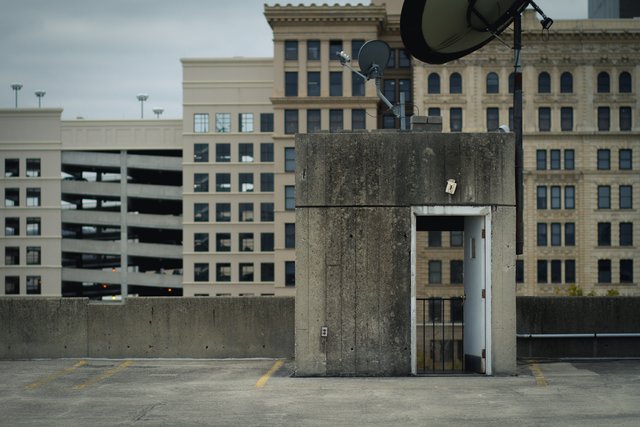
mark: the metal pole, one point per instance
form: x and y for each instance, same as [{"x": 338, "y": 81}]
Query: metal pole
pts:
[
  {"x": 517, "y": 124},
  {"x": 403, "y": 118}
]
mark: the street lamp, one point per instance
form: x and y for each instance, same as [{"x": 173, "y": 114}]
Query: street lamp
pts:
[
  {"x": 158, "y": 111},
  {"x": 40, "y": 94},
  {"x": 16, "y": 87},
  {"x": 142, "y": 97}
]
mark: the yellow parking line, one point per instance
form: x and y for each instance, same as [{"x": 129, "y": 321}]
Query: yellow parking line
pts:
[
  {"x": 537, "y": 373},
  {"x": 263, "y": 379},
  {"x": 121, "y": 367},
  {"x": 55, "y": 376}
]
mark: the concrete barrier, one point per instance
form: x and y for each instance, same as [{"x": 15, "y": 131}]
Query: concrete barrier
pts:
[{"x": 147, "y": 327}]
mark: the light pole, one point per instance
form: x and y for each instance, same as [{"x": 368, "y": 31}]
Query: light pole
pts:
[
  {"x": 40, "y": 94},
  {"x": 158, "y": 111},
  {"x": 142, "y": 97},
  {"x": 16, "y": 87}
]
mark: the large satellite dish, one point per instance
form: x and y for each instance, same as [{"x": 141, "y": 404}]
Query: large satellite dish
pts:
[{"x": 439, "y": 31}]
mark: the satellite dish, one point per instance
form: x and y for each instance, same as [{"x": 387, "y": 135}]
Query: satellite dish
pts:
[
  {"x": 374, "y": 56},
  {"x": 438, "y": 31}
]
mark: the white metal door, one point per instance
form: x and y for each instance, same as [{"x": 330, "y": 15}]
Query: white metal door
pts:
[{"x": 475, "y": 293}]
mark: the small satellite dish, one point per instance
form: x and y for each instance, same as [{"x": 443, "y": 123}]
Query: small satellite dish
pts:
[
  {"x": 439, "y": 31},
  {"x": 374, "y": 56}
]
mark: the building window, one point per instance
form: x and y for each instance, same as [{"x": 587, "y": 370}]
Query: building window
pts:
[
  {"x": 335, "y": 47},
  {"x": 542, "y": 234},
  {"x": 335, "y": 83},
  {"x": 266, "y": 182},
  {"x": 555, "y": 160},
  {"x": 404, "y": 59},
  {"x": 604, "y": 271},
  {"x": 556, "y": 271},
  {"x": 604, "y": 197},
  {"x": 433, "y": 111},
  {"x": 434, "y": 239},
  {"x": 245, "y": 242},
  {"x": 11, "y": 168},
  {"x": 313, "y": 83},
  {"x": 290, "y": 83},
  {"x": 433, "y": 83},
  {"x": 266, "y": 152},
  {"x": 290, "y": 122},
  {"x": 389, "y": 89},
  {"x": 201, "y": 242},
  {"x": 570, "y": 271},
  {"x": 289, "y": 235},
  {"x": 566, "y": 119},
  {"x": 223, "y": 212},
  {"x": 289, "y": 159},
  {"x": 245, "y": 152},
  {"x": 200, "y": 182},
  {"x": 266, "y": 122},
  {"x": 624, "y": 159},
  {"x": 266, "y": 212},
  {"x": 511, "y": 82},
  {"x": 455, "y": 239},
  {"x": 289, "y": 197},
  {"x": 626, "y": 197},
  {"x": 493, "y": 83},
  {"x": 544, "y": 82},
  {"x": 626, "y": 271},
  {"x": 245, "y": 182},
  {"x": 570, "y": 234},
  {"x": 200, "y": 153},
  {"x": 626, "y": 234},
  {"x": 223, "y": 272},
  {"x": 556, "y": 234},
  {"x": 604, "y": 119},
  {"x": 391, "y": 63},
  {"x": 556, "y": 200},
  {"x": 266, "y": 272},
  {"x": 201, "y": 123},
  {"x": 566, "y": 82},
  {"x": 245, "y": 271},
  {"x": 290, "y": 273},
  {"x": 223, "y": 122},
  {"x": 388, "y": 121},
  {"x": 455, "y": 119},
  {"x": 455, "y": 83},
  {"x": 541, "y": 160},
  {"x": 356, "y": 45},
  {"x": 336, "y": 120},
  {"x": 266, "y": 242},
  {"x": 604, "y": 234},
  {"x": 223, "y": 242},
  {"x": 519, "y": 271},
  {"x": 245, "y": 212},
  {"x": 245, "y": 121},
  {"x": 435, "y": 272},
  {"x": 200, "y": 212},
  {"x": 291, "y": 50},
  {"x": 625, "y": 118},
  {"x": 33, "y": 168},
  {"x": 313, "y": 121},
  {"x": 12, "y": 226},
  {"x": 604, "y": 82},
  {"x": 12, "y": 285},
  {"x": 541, "y": 197},
  {"x": 358, "y": 119},
  {"x": 313, "y": 50},
  {"x": 404, "y": 86},
  {"x": 357, "y": 85},
  {"x": 11, "y": 255},
  {"x": 624, "y": 82},
  {"x": 511, "y": 126},
  {"x": 569, "y": 159},
  {"x": 33, "y": 255},
  {"x": 604, "y": 159},
  {"x": 223, "y": 182},
  {"x": 457, "y": 270},
  {"x": 542, "y": 271},
  {"x": 544, "y": 119},
  {"x": 569, "y": 197},
  {"x": 493, "y": 119},
  {"x": 223, "y": 152},
  {"x": 34, "y": 285},
  {"x": 33, "y": 197}
]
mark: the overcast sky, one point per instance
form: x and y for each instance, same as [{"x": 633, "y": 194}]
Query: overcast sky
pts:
[{"x": 93, "y": 56}]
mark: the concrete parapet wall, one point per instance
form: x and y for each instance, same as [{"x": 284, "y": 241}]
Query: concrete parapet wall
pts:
[{"x": 147, "y": 327}]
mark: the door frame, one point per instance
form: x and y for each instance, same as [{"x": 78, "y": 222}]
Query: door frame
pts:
[{"x": 464, "y": 211}]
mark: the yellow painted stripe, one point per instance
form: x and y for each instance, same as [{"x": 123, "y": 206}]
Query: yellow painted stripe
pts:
[
  {"x": 55, "y": 376},
  {"x": 263, "y": 379},
  {"x": 121, "y": 367},
  {"x": 537, "y": 373}
]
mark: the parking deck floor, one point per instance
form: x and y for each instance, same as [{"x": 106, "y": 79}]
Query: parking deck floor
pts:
[{"x": 97, "y": 392}]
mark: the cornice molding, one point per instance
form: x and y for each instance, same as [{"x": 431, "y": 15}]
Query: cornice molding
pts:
[{"x": 324, "y": 13}]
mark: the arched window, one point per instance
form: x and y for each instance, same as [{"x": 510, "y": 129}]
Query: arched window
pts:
[
  {"x": 493, "y": 83},
  {"x": 455, "y": 83},
  {"x": 433, "y": 83},
  {"x": 544, "y": 82},
  {"x": 604, "y": 84},
  {"x": 624, "y": 82},
  {"x": 512, "y": 76},
  {"x": 566, "y": 82}
]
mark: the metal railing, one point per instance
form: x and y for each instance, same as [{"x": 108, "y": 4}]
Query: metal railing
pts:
[{"x": 440, "y": 334}]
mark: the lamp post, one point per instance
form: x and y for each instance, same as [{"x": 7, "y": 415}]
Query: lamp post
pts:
[
  {"x": 16, "y": 87},
  {"x": 40, "y": 94},
  {"x": 142, "y": 97},
  {"x": 158, "y": 111}
]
